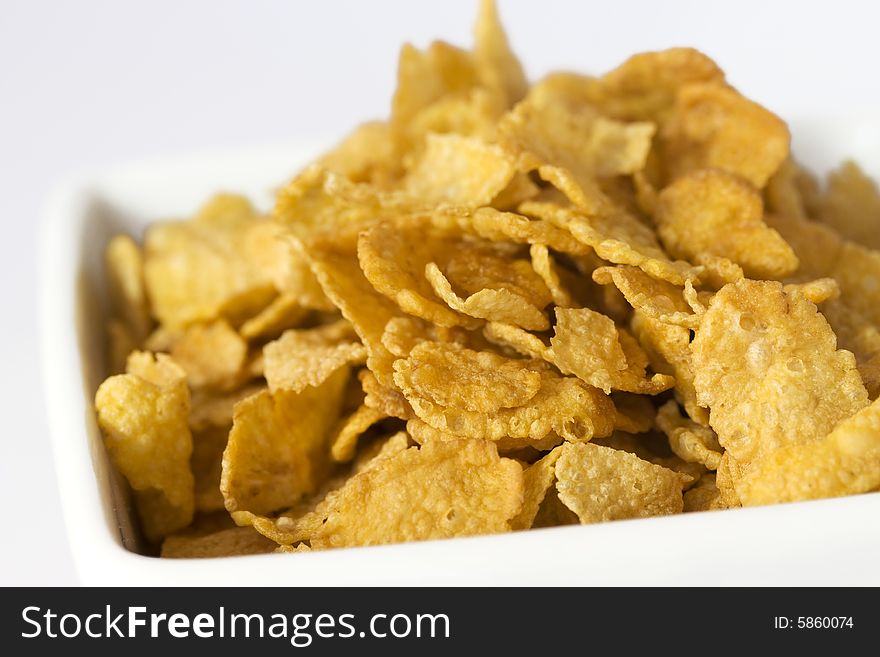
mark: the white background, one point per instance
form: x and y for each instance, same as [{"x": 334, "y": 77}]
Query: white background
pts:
[{"x": 92, "y": 83}]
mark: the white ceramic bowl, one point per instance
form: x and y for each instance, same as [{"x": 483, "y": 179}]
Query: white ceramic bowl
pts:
[{"x": 825, "y": 542}]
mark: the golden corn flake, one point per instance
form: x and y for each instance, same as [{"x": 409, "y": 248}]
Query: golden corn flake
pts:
[
  {"x": 656, "y": 298},
  {"x": 545, "y": 266},
  {"x": 285, "y": 312},
  {"x": 767, "y": 367},
  {"x": 689, "y": 440},
  {"x": 210, "y": 408},
  {"x": 143, "y": 416},
  {"x": 124, "y": 267},
  {"x": 497, "y": 67},
  {"x": 302, "y": 358},
  {"x": 367, "y": 310},
  {"x": 572, "y": 149},
  {"x": 589, "y": 345},
  {"x": 600, "y": 484},
  {"x": 851, "y": 205},
  {"x": 703, "y": 496},
  {"x": 645, "y": 86},
  {"x": 393, "y": 259},
  {"x": 711, "y": 211},
  {"x": 496, "y": 305},
  {"x": 492, "y": 224},
  {"x": 538, "y": 478},
  {"x": 365, "y": 155},
  {"x": 713, "y": 126},
  {"x": 472, "y": 491},
  {"x": 564, "y": 405},
  {"x": 278, "y": 448},
  {"x": 617, "y": 238},
  {"x": 349, "y": 429},
  {"x": 845, "y": 462},
  {"x": 462, "y": 171},
  {"x": 389, "y": 400},
  {"x": 212, "y": 355},
  {"x": 450, "y": 375},
  {"x": 237, "y": 541},
  {"x": 198, "y": 271},
  {"x": 517, "y": 339},
  {"x": 121, "y": 343}
]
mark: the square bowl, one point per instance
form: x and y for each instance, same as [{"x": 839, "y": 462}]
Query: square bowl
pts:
[{"x": 823, "y": 542}]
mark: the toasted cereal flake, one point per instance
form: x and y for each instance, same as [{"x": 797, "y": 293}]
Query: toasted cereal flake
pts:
[
  {"x": 718, "y": 271},
  {"x": 589, "y": 345},
  {"x": 367, "y": 310},
  {"x": 845, "y": 462},
  {"x": 237, "y": 541},
  {"x": 767, "y": 367},
  {"x": 656, "y": 298},
  {"x": 817, "y": 291},
  {"x": 349, "y": 429},
  {"x": 124, "y": 265},
  {"x": 210, "y": 408},
  {"x": 278, "y": 448},
  {"x": 372, "y": 455},
  {"x": 690, "y": 441},
  {"x": 497, "y": 305},
  {"x": 302, "y": 358},
  {"x": 565, "y": 405},
  {"x": 472, "y": 491},
  {"x": 365, "y": 155},
  {"x": 712, "y": 211},
  {"x": 653, "y": 447},
  {"x": 858, "y": 335},
  {"x": 617, "y": 238},
  {"x": 546, "y": 267},
  {"x": 497, "y": 66},
  {"x": 571, "y": 148},
  {"x": 586, "y": 344},
  {"x": 645, "y": 86},
  {"x": 520, "y": 340},
  {"x": 198, "y": 270},
  {"x": 453, "y": 376},
  {"x": 703, "y": 496},
  {"x": 492, "y": 224},
  {"x": 851, "y": 205},
  {"x": 464, "y": 171},
  {"x": 285, "y": 312},
  {"x": 601, "y": 484},
  {"x": 713, "y": 126},
  {"x": 212, "y": 355},
  {"x": 390, "y": 401},
  {"x": 207, "y": 455},
  {"x": 475, "y": 266},
  {"x": 668, "y": 350},
  {"x": 425, "y": 78},
  {"x": 635, "y": 413},
  {"x": 143, "y": 416},
  {"x": 538, "y": 478},
  {"x": 393, "y": 259}
]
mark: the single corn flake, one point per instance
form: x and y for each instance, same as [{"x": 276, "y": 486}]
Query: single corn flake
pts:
[
  {"x": 307, "y": 357},
  {"x": 689, "y": 440},
  {"x": 663, "y": 301},
  {"x": 711, "y": 211},
  {"x": 564, "y": 405},
  {"x": 452, "y": 376},
  {"x": 600, "y": 484},
  {"x": 278, "y": 448},
  {"x": 851, "y": 205},
  {"x": 212, "y": 355},
  {"x": 538, "y": 478},
  {"x": 766, "y": 365},
  {"x": 124, "y": 265},
  {"x": 237, "y": 541},
  {"x": 472, "y": 491},
  {"x": 845, "y": 462},
  {"x": 143, "y": 416},
  {"x": 349, "y": 429},
  {"x": 713, "y": 126}
]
